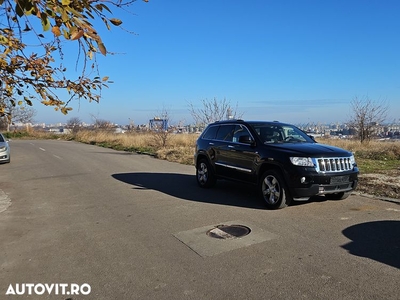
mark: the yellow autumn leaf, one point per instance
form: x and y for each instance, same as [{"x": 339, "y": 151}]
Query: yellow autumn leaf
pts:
[
  {"x": 3, "y": 39},
  {"x": 105, "y": 78},
  {"x": 76, "y": 34},
  {"x": 102, "y": 48},
  {"x": 56, "y": 30},
  {"x": 65, "y": 33}
]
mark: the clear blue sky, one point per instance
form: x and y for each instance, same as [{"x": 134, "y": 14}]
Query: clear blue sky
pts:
[{"x": 296, "y": 61}]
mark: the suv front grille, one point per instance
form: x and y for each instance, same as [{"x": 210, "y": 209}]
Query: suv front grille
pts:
[{"x": 334, "y": 164}]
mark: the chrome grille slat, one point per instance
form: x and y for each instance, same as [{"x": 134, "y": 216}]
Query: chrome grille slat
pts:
[{"x": 333, "y": 164}]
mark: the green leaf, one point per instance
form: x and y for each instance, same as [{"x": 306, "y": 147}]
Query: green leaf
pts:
[
  {"x": 45, "y": 21},
  {"x": 64, "y": 16},
  {"x": 66, "y": 2}
]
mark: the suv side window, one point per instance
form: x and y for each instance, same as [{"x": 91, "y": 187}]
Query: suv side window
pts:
[
  {"x": 210, "y": 133},
  {"x": 240, "y": 130},
  {"x": 225, "y": 133}
]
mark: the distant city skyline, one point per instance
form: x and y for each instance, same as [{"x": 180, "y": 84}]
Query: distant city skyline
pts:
[{"x": 293, "y": 117}]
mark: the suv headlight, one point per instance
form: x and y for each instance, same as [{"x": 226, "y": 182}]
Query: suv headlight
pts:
[
  {"x": 3, "y": 148},
  {"x": 352, "y": 160},
  {"x": 302, "y": 161}
]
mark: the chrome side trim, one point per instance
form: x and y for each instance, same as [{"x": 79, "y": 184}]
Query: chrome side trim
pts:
[{"x": 234, "y": 167}]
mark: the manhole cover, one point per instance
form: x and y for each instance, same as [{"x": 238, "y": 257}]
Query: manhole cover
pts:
[{"x": 228, "y": 231}]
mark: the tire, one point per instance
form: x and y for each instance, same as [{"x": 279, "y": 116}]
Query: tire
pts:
[
  {"x": 204, "y": 174},
  {"x": 273, "y": 190},
  {"x": 338, "y": 196}
]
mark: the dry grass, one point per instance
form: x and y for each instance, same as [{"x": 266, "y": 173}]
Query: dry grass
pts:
[
  {"x": 380, "y": 150},
  {"x": 178, "y": 147}
]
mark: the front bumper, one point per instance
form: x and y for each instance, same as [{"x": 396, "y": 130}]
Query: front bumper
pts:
[
  {"x": 4, "y": 156},
  {"x": 322, "y": 189},
  {"x": 312, "y": 184}
]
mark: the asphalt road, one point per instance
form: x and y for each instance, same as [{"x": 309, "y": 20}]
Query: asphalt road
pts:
[{"x": 128, "y": 226}]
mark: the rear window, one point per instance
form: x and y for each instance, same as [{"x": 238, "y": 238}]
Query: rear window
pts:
[{"x": 210, "y": 133}]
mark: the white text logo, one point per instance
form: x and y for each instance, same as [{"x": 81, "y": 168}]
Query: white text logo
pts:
[{"x": 47, "y": 288}]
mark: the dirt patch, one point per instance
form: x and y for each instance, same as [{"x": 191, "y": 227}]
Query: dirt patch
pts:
[{"x": 382, "y": 185}]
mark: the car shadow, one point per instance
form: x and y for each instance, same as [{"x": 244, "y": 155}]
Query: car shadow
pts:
[
  {"x": 184, "y": 186},
  {"x": 379, "y": 240}
]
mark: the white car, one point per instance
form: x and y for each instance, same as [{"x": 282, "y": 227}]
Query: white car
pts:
[{"x": 4, "y": 150}]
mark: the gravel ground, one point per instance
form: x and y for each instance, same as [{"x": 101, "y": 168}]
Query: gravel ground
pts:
[{"x": 382, "y": 185}]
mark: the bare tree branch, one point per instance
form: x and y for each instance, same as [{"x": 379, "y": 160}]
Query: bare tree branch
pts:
[
  {"x": 367, "y": 116},
  {"x": 212, "y": 111}
]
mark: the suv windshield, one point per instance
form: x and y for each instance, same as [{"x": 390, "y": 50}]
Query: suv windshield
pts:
[{"x": 271, "y": 133}]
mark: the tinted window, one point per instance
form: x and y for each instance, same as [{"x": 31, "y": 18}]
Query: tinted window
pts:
[
  {"x": 279, "y": 133},
  {"x": 210, "y": 133},
  {"x": 225, "y": 133},
  {"x": 1, "y": 138},
  {"x": 240, "y": 130}
]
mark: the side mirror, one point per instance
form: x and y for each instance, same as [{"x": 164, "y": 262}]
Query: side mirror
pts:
[{"x": 246, "y": 139}]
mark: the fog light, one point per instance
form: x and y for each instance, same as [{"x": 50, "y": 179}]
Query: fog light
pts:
[{"x": 303, "y": 180}]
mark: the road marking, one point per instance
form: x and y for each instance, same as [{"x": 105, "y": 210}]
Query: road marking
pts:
[
  {"x": 57, "y": 156},
  {"x": 5, "y": 201},
  {"x": 42, "y": 149}
]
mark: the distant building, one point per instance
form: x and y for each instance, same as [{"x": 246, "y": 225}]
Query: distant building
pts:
[{"x": 158, "y": 123}]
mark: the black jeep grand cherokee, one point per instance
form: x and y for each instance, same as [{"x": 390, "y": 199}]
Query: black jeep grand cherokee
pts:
[{"x": 280, "y": 159}]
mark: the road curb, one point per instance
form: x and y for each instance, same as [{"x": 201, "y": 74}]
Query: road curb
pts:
[{"x": 387, "y": 199}]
